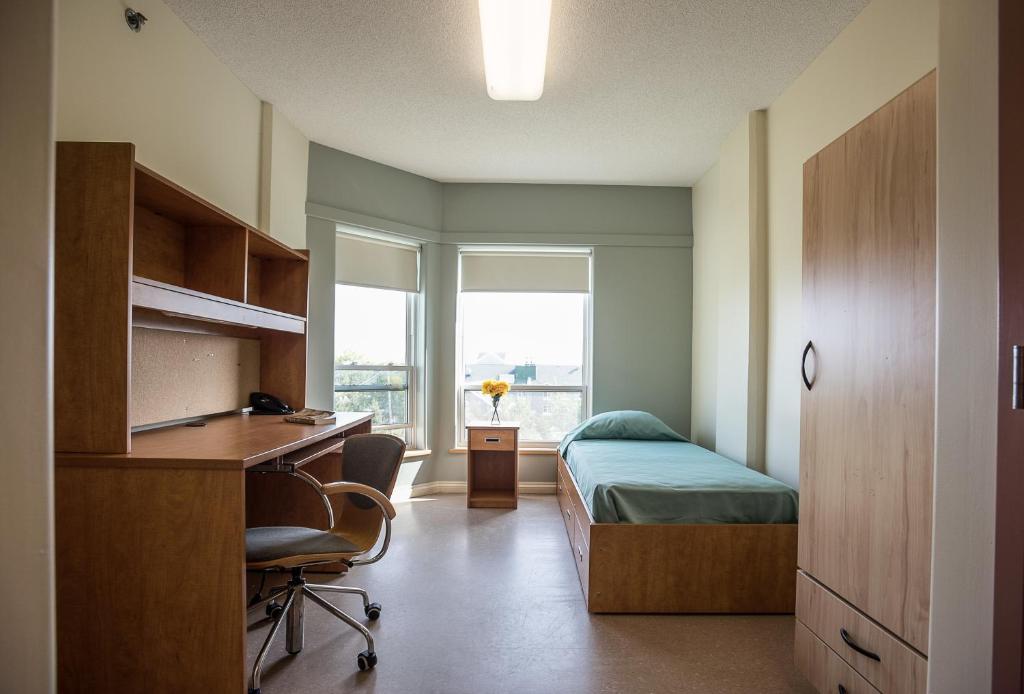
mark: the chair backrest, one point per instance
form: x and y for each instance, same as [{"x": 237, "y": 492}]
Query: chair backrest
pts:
[{"x": 373, "y": 460}]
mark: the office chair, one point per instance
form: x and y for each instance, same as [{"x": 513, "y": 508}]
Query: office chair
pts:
[{"x": 369, "y": 467}]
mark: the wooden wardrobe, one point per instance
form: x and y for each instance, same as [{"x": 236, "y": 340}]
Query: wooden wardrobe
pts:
[{"x": 868, "y": 404}]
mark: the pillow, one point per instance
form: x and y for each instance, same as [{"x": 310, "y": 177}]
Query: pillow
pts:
[{"x": 621, "y": 424}]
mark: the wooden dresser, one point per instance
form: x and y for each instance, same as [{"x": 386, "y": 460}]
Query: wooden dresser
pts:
[{"x": 868, "y": 403}]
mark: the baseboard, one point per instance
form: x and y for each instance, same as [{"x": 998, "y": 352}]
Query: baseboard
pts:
[{"x": 434, "y": 488}]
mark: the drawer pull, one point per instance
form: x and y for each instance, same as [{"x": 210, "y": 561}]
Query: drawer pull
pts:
[
  {"x": 568, "y": 514},
  {"x": 579, "y": 551},
  {"x": 853, "y": 644},
  {"x": 492, "y": 439},
  {"x": 842, "y": 689}
]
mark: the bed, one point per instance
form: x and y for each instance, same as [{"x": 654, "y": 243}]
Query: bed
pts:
[{"x": 660, "y": 525}]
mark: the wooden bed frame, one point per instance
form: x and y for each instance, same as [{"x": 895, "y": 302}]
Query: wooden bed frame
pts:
[{"x": 713, "y": 568}]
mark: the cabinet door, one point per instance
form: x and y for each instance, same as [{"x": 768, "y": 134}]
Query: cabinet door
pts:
[{"x": 867, "y": 422}]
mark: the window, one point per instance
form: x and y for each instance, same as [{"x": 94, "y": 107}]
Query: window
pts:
[
  {"x": 375, "y": 296},
  {"x": 373, "y": 365},
  {"x": 525, "y": 318}
]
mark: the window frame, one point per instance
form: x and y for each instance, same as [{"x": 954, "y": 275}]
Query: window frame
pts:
[
  {"x": 585, "y": 388},
  {"x": 411, "y": 426}
]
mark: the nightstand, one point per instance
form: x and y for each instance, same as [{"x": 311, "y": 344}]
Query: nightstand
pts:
[{"x": 492, "y": 479}]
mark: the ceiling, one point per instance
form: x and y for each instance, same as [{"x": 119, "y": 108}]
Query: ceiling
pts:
[{"x": 637, "y": 92}]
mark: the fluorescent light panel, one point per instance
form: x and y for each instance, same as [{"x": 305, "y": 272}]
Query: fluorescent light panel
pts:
[{"x": 515, "y": 36}]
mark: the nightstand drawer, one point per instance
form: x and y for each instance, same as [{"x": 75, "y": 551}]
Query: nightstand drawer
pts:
[{"x": 492, "y": 439}]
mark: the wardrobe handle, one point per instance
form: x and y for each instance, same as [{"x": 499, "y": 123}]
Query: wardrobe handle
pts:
[
  {"x": 853, "y": 644},
  {"x": 1016, "y": 377},
  {"x": 803, "y": 365}
]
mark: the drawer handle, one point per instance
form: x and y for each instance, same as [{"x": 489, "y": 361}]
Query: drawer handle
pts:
[
  {"x": 568, "y": 514},
  {"x": 579, "y": 551},
  {"x": 842, "y": 689},
  {"x": 853, "y": 644},
  {"x": 492, "y": 439}
]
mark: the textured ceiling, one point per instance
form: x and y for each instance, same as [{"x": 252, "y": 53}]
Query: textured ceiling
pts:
[{"x": 637, "y": 91}]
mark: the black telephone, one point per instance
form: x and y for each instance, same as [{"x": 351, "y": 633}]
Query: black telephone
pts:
[{"x": 262, "y": 403}]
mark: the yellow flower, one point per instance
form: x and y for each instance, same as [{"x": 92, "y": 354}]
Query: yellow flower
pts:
[{"x": 494, "y": 388}]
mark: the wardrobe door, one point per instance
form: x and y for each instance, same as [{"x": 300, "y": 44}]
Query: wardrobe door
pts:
[{"x": 869, "y": 313}]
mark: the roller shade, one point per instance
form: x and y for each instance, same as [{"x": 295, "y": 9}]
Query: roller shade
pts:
[
  {"x": 373, "y": 263},
  {"x": 525, "y": 272}
]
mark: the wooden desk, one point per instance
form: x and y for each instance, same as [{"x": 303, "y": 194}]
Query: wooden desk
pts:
[{"x": 151, "y": 584}]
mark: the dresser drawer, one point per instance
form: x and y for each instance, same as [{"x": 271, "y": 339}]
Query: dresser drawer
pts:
[
  {"x": 895, "y": 669},
  {"x": 492, "y": 439},
  {"x": 829, "y": 673}
]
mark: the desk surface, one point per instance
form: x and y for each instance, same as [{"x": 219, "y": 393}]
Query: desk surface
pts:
[{"x": 231, "y": 441}]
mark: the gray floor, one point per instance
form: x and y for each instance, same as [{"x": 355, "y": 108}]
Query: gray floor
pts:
[{"x": 487, "y": 601}]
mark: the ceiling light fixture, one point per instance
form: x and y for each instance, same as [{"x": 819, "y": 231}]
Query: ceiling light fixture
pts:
[{"x": 515, "y": 36}]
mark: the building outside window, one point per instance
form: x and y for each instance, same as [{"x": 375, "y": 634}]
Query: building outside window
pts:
[{"x": 524, "y": 317}]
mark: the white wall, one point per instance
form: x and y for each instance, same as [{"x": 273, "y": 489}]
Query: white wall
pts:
[
  {"x": 26, "y": 322},
  {"x": 289, "y": 165},
  {"x": 729, "y": 321},
  {"x": 190, "y": 118},
  {"x": 960, "y": 653},
  {"x": 890, "y": 45},
  {"x": 707, "y": 260}
]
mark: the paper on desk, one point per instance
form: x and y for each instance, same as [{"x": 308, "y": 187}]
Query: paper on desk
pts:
[{"x": 311, "y": 416}]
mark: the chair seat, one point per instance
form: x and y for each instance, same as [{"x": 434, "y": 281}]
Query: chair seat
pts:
[{"x": 271, "y": 544}]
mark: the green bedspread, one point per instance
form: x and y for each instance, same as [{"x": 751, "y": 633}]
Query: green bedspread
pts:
[{"x": 632, "y": 481}]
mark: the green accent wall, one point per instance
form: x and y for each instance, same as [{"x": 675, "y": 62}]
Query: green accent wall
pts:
[{"x": 643, "y": 277}]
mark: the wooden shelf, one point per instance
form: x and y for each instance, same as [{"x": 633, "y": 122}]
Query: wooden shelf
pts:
[
  {"x": 276, "y": 276},
  {"x": 492, "y": 498},
  {"x": 178, "y": 301}
]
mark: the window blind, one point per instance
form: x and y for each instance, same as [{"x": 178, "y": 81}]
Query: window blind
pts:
[
  {"x": 367, "y": 262},
  {"x": 484, "y": 271}
]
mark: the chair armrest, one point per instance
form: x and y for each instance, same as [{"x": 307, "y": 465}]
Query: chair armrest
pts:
[{"x": 332, "y": 488}]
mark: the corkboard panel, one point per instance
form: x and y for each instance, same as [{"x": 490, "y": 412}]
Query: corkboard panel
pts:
[{"x": 185, "y": 374}]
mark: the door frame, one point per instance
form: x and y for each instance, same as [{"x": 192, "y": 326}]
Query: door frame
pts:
[{"x": 1008, "y": 615}]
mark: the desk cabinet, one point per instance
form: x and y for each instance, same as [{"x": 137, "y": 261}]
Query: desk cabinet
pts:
[
  {"x": 492, "y": 475},
  {"x": 151, "y": 581}
]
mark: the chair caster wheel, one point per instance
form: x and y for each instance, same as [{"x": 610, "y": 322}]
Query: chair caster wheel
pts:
[
  {"x": 274, "y": 611},
  {"x": 372, "y": 610},
  {"x": 366, "y": 660}
]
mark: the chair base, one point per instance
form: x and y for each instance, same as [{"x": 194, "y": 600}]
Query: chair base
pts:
[{"x": 292, "y": 612}]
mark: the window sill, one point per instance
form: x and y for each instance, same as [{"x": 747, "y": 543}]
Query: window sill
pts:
[
  {"x": 522, "y": 451},
  {"x": 416, "y": 454}
]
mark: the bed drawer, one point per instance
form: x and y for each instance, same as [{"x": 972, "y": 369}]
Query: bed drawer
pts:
[
  {"x": 581, "y": 553},
  {"x": 829, "y": 673},
  {"x": 898, "y": 669},
  {"x": 565, "y": 506},
  {"x": 492, "y": 439},
  {"x": 575, "y": 501}
]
